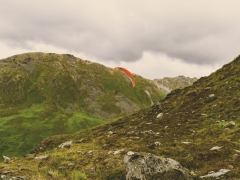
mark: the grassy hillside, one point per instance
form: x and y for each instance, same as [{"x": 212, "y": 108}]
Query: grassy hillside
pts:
[
  {"x": 49, "y": 94},
  {"x": 188, "y": 123}
]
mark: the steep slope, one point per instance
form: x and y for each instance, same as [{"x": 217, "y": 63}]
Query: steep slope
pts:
[
  {"x": 48, "y": 94},
  {"x": 197, "y": 126},
  {"x": 167, "y": 84}
]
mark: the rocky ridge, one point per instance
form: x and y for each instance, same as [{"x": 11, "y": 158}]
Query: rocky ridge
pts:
[{"x": 167, "y": 84}]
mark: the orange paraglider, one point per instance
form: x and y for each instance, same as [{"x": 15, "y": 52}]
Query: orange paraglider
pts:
[{"x": 128, "y": 74}]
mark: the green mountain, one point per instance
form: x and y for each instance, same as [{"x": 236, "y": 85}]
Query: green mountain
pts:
[
  {"x": 167, "y": 84},
  {"x": 198, "y": 126},
  {"x": 48, "y": 94}
]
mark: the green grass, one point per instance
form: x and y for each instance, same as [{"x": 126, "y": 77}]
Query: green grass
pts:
[
  {"x": 76, "y": 175},
  {"x": 25, "y": 129}
]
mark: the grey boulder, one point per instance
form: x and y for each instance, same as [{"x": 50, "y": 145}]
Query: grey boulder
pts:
[{"x": 152, "y": 167}]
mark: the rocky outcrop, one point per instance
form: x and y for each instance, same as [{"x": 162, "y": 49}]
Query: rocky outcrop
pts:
[
  {"x": 6, "y": 159},
  {"x": 67, "y": 144},
  {"x": 168, "y": 84},
  {"x": 149, "y": 166},
  {"x": 218, "y": 174}
]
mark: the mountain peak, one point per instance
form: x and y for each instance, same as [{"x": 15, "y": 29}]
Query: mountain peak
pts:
[{"x": 168, "y": 84}]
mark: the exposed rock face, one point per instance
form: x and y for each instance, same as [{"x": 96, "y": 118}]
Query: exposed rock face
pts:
[
  {"x": 218, "y": 174},
  {"x": 6, "y": 159},
  {"x": 149, "y": 167},
  {"x": 67, "y": 144},
  {"x": 168, "y": 84}
]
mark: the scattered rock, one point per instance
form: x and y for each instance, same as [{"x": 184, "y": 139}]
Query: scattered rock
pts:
[
  {"x": 154, "y": 145},
  {"x": 129, "y": 153},
  {"x": 230, "y": 124},
  {"x": 81, "y": 141},
  {"x": 89, "y": 153},
  {"x": 236, "y": 150},
  {"x": 110, "y": 132},
  {"x": 62, "y": 168},
  {"x": 160, "y": 115},
  {"x": 186, "y": 142},
  {"x": 42, "y": 157},
  {"x": 71, "y": 164},
  {"x": 67, "y": 144},
  {"x": 7, "y": 172},
  {"x": 92, "y": 169},
  {"x": 4, "y": 177},
  {"x": 149, "y": 166},
  {"x": 134, "y": 133},
  {"x": 115, "y": 152},
  {"x": 6, "y": 159},
  {"x": 193, "y": 173},
  {"x": 50, "y": 173},
  {"x": 211, "y": 95},
  {"x": 158, "y": 144},
  {"x": 221, "y": 172},
  {"x": 147, "y": 132},
  {"x": 80, "y": 152},
  {"x": 216, "y": 148}
]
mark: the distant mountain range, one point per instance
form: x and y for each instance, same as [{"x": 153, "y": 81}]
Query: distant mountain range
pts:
[
  {"x": 167, "y": 84},
  {"x": 198, "y": 126}
]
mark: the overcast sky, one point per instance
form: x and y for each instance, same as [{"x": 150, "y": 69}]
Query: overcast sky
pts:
[{"x": 152, "y": 38}]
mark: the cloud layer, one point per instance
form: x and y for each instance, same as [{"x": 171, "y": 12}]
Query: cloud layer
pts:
[{"x": 200, "y": 32}]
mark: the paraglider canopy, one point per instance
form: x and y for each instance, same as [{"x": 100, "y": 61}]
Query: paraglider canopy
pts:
[{"x": 127, "y": 73}]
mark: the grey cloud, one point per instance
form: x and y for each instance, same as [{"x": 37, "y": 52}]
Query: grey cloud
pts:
[{"x": 202, "y": 32}]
